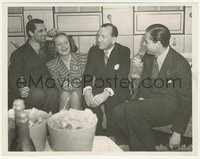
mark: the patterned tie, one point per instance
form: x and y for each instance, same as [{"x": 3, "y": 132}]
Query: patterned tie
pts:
[
  {"x": 155, "y": 69},
  {"x": 106, "y": 57},
  {"x": 41, "y": 51}
]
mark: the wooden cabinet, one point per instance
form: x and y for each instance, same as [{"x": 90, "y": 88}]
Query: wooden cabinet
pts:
[
  {"x": 188, "y": 20},
  {"x": 45, "y": 15},
  {"x": 86, "y": 42},
  {"x": 15, "y": 25},
  {"x": 78, "y": 23},
  {"x": 121, "y": 17}
]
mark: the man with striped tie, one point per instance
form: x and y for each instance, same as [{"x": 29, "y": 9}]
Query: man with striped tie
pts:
[{"x": 164, "y": 96}]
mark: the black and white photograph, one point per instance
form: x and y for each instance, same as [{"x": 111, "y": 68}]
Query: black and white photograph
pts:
[{"x": 115, "y": 78}]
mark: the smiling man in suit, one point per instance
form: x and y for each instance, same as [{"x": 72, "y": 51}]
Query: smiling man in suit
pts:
[
  {"x": 28, "y": 76},
  {"x": 164, "y": 96},
  {"x": 106, "y": 75}
]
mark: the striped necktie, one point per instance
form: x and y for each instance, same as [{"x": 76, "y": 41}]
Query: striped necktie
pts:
[{"x": 155, "y": 69}]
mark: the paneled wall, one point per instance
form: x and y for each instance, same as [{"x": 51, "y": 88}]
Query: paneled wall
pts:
[{"x": 83, "y": 23}]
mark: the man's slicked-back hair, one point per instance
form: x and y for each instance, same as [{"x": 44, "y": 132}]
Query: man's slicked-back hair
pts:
[
  {"x": 160, "y": 33},
  {"x": 30, "y": 26},
  {"x": 114, "y": 28}
]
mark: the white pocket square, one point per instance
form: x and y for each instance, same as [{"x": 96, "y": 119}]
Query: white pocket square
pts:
[
  {"x": 116, "y": 67},
  {"x": 169, "y": 81}
]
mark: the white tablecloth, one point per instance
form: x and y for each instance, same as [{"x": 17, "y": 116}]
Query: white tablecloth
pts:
[{"x": 101, "y": 143}]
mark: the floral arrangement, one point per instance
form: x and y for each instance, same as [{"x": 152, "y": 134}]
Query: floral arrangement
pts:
[{"x": 137, "y": 65}]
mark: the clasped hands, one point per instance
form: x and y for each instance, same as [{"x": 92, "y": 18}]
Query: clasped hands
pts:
[{"x": 95, "y": 101}]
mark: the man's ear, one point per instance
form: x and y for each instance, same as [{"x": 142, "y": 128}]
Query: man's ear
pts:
[
  {"x": 159, "y": 44},
  {"x": 30, "y": 33},
  {"x": 114, "y": 39}
]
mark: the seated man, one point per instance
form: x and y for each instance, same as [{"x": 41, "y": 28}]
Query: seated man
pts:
[
  {"x": 28, "y": 76},
  {"x": 106, "y": 75},
  {"x": 164, "y": 96}
]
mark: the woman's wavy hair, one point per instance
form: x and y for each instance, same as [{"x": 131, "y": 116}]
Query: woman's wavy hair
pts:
[{"x": 73, "y": 47}]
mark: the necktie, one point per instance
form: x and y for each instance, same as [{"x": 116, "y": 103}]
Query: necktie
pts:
[
  {"x": 155, "y": 69},
  {"x": 106, "y": 57},
  {"x": 41, "y": 51}
]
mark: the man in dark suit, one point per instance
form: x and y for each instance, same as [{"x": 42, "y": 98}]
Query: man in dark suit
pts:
[
  {"x": 28, "y": 77},
  {"x": 164, "y": 96},
  {"x": 105, "y": 79}
]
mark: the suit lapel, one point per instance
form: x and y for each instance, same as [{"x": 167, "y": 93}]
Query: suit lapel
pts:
[
  {"x": 113, "y": 57},
  {"x": 167, "y": 64}
]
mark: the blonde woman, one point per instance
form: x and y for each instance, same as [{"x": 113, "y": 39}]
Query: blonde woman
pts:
[{"x": 66, "y": 70}]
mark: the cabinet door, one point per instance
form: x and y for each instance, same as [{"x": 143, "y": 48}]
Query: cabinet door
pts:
[
  {"x": 188, "y": 44},
  {"x": 86, "y": 42},
  {"x": 126, "y": 41},
  {"x": 15, "y": 25},
  {"x": 188, "y": 20},
  {"x": 173, "y": 20},
  {"x": 45, "y": 15},
  {"x": 177, "y": 42},
  {"x": 121, "y": 17},
  {"x": 14, "y": 43},
  {"x": 79, "y": 23}
]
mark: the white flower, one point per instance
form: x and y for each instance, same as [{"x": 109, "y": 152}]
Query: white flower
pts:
[{"x": 116, "y": 67}]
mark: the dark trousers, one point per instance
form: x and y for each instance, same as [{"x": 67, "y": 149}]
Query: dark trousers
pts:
[
  {"x": 135, "y": 120},
  {"x": 109, "y": 106},
  {"x": 46, "y": 99}
]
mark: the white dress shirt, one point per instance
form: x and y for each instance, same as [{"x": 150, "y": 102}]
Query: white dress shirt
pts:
[
  {"x": 106, "y": 89},
  {"x": 161, "y": 58}
]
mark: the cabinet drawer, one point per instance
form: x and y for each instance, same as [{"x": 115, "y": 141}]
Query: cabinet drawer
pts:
[
  {"x": 14, "y": 10},
  {"x": 45, "y": 15},
  {"x": 173, "y": 20},
  {"x": 15, "y": 25},
  {"x": 86, "y": 42},
  {"x": 121, "y": 17},
  {"x": 37, "y": 8},
  {"x": 77, "y": 9},
  {"x": 79, "y": 23}
]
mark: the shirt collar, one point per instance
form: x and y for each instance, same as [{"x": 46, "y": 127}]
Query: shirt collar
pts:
[
  {"x": 34, "y": 45},
  {"x": 109, "y": 51},
  {"x": 162, "y": 57}
]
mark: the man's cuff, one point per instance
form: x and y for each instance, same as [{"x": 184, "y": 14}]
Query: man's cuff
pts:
[
  {"x": 86, "y": 88},
  {"x": 110, "y": 91}
]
